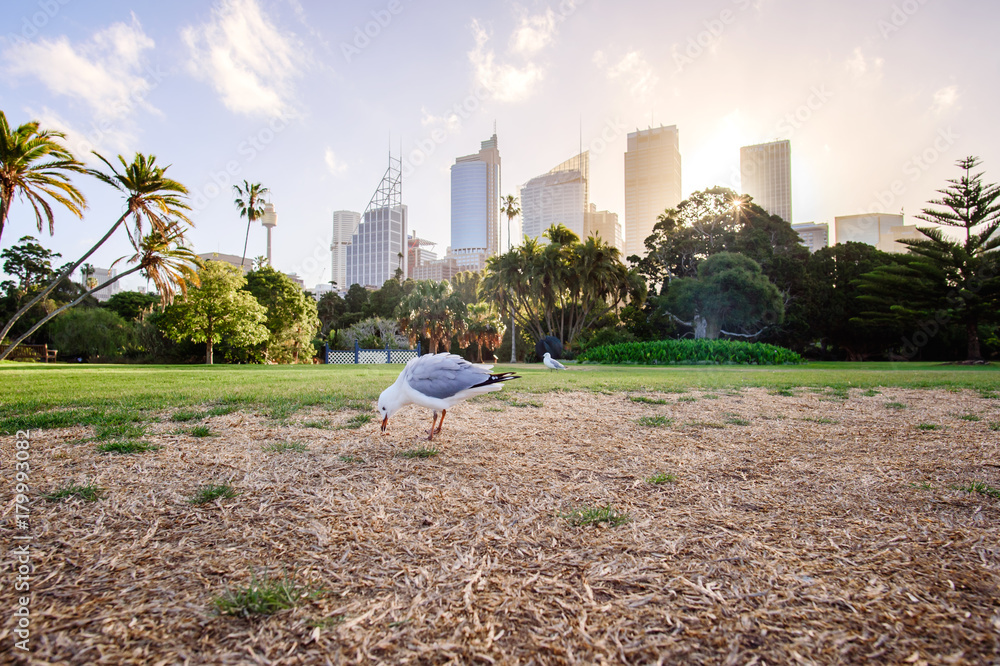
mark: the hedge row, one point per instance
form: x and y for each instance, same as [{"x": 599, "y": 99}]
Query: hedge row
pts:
[{"x": 683, "y": 352}]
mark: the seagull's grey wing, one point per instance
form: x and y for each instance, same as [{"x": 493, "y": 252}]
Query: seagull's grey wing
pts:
[
  {"x": 443, "y": 375},
  {"x": 558, "y": 365}
]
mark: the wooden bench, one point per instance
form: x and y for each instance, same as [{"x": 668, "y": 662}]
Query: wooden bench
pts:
[{"x": 32, "y": 353}]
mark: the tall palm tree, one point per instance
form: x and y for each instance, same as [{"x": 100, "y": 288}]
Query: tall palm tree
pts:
[
  {"x": 510, "y": 208},
  {"x": 161, "y": 255},
  {"x": 249, "y": 203},
  {"x": 35, "y": 165},
  {"x": 483, "y": 328},
  {"x": 150, "y": 197}
]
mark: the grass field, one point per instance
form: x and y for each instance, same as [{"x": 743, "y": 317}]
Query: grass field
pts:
[{"x": 832, "y": 513}]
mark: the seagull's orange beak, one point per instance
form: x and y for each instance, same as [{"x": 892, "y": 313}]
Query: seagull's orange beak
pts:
[{"x": 385, "y": 424}]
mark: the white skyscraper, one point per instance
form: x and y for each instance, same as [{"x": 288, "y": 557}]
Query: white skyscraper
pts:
[
  {"x": 558, "y": 197},
  {"x": 475, "y": 204},
  {"x": 378, "y": 246},
  {"x": 345, "y": 223},
  {"x": 766, "y": 175},
  {"x": 652, "y": 182}
]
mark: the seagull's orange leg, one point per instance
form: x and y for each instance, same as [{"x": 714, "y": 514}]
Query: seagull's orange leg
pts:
[
  {"x": 441, "y": 422},
  {"x": 433, "y": 423}
]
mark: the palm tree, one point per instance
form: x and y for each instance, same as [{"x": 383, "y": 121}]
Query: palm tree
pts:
[
  {"x": 87, "y": 271},
  {"x": 35, "y": 165},
  {"x": 161, "y": 255},
  {"x": 428, "y": 312},
  {"x": 250, "y": 206},
  {"x": 510, "y": 208},
  {"x": 483, "y": 328},
  {"x": 150, "y": 197}
]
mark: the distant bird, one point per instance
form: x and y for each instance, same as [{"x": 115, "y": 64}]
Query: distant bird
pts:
[
  {"x": 438, "y": 381},
  {"x": 552, "y": 363}
]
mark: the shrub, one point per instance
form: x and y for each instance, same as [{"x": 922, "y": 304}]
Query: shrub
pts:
[
  {"x": 91, "y": 332},
  {"x": 689, "y": 352}
]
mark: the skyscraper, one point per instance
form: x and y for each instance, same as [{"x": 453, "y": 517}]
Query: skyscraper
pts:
[
  {"x": 378, "y": 246},
  {"x": 475, "y": 205},
  {"x": 652, "y": 182},
  {"x": 345, "y": 222},
  {"x": 766, "y": 175},
  {"x": 815, "y": 236},
  {"x": 604, "y": 224},
  {"x": 558, "y": 197}
]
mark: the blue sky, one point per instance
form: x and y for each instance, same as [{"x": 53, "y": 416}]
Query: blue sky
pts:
[{"x": 879, "y": 98}]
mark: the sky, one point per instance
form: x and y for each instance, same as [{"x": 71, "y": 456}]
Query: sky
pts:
[{"x": 879, "y": 98}]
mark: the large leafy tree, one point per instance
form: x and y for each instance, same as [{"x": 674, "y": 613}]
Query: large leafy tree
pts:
[
  {"x": 150, "y": 198},
  {"x": 130, "y": 305},
  {"x": 91, "y": 332},
  {"x": 35, "y": 166},
  {"x": 429, "y": 311},
  {"x": 218, "y": 308},
  {"x": 730, "y": 296},
  {"x": 29, "y": 262},
  {"x": 248, "y": 202},
  {"x": 330, "y": 308},
  {"x": 562, "y": 287},
  {"x": 291, "y": 315},
  {"x": 832, "y": 303},
  {"x": 943, "y": 280}
]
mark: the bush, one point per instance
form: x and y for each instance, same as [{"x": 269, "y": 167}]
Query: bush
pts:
[
  {"x": 91, "y": 332},
  {"x": 685, "y": 352}
]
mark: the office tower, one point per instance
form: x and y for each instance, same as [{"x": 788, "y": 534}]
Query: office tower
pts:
[
  {"x": 475, "y": 205},
  {"x": 557, "y": 197},
  {"x": 652, "y": 182},
  {"x": 417, "y": 253},
  {"x": 877, "y": 229},
  {"x": 100, "y": 276},
  {"x": 604, "y": 224},
  {"x": 378, "y": 246},
  {"x": 766, "y": 175},
  {"x": 814, "y": 236},
  {"x": 345, "y": 222}
]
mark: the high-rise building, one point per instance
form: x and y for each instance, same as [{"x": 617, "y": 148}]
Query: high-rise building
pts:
[
  {"x": 558, "y": 197},
  {"x": 418, "y": 254},
  {"x": 815, "y": 236},
  {"x": 475, "y": 204},
  {"x": 604, "y": 224},
  {"x": 876, "y": 229},
  {"x": 766, "y": 175},
  {"x": 100, "y": 276},
  {"x": 378, "y": 246},
  {"x": 652, "y": 182},
  {"x": 345, "y": 222}
]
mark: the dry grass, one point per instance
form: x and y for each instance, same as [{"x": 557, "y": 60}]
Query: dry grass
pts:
[{"x": 839, "y": 539}]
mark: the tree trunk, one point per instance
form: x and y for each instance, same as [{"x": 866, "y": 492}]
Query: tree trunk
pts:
[
  {"x": 972, "y": 333},
  {"x": 208, "y": 344},
  {"x": 513, "y": 338}
]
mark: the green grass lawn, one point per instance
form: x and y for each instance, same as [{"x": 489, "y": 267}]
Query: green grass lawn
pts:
[{"x": 36, "y": 395}]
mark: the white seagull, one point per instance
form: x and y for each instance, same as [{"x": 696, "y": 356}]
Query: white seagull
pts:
[
  {"x": 552, "y": 363},
  {"x": 438, "y": 381}
]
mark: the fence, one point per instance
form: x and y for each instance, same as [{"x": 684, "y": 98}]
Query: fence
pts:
[{"x": 359, "y": 355}]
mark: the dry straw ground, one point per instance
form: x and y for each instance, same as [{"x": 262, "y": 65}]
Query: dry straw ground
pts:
[{"x": 804, "y": 528}]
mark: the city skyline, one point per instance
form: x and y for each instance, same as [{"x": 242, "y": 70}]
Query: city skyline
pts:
[{"x": 879, "y": 98}]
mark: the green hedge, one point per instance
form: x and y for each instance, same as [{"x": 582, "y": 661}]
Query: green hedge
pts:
[{"x": 689, "y": 352}]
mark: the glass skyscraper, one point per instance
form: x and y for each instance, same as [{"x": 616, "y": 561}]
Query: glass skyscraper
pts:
[
  {"x": 558, "y": 197},
  {"x": 766, "y": 175},
  {"x": 378, "y": 246},
  {"x": 475, "y": 204}
]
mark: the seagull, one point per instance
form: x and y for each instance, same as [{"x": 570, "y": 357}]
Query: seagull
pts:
[
  {"x": 438, "y": 381},
  {"x": 552, "y": 363}
]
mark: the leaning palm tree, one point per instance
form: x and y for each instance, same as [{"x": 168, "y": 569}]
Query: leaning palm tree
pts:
[
  {"x": 161, "y": 256},
  {"x": 510, "y": 208},
  {"x": 249, "y": 203},
  {"x": 150, "y": 197},
  {"x": 35, "y": 165}
]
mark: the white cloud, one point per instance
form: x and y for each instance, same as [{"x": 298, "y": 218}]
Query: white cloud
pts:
[
  {"x": 859, "y": 66},
  {"x": 533, "y": 33},
  {"x": 505, "y": 82},
  {"x": 105, "y": 137},
  {"x": 632, "y": 69},
  {"x": 246, "y": 58},
  {"x": 104, "y": 72},
  {"x": 944, "y": 100},
  {"x": 335, "y": 166}
]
